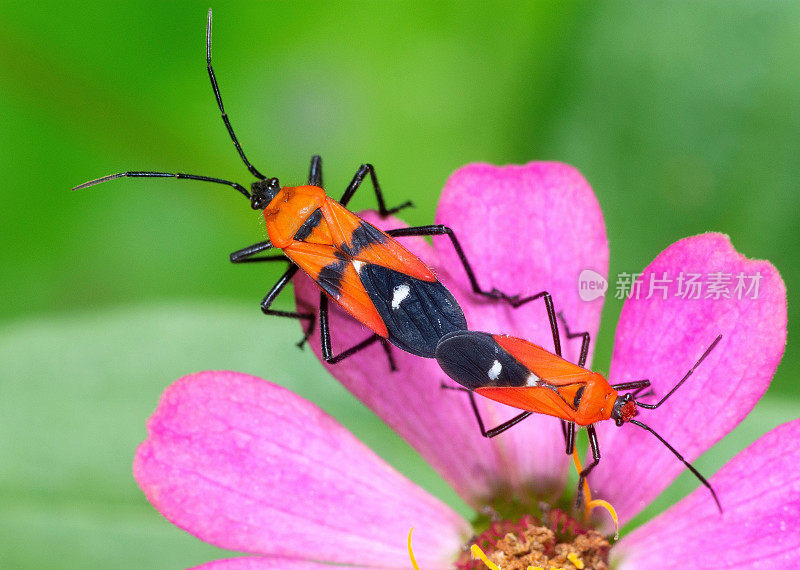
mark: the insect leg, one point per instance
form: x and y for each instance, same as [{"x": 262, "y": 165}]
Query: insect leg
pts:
[
  {"x": 437, "y": 230},
  {"x": 243, "y": 255},
  {"x": 269, "y": 298},
  {"x": 361, "y": 173},
  {"x": 595, "y": 445},
  {"x": 315, "y": 171},
  {"x": 584, "y": 343},
  {"x": 387, "y": 348},
  {"x": 637, "y": 384},
  {"x": 325, "y": 339},
  {"x": 638, "y": 392},
  {"x": 568, "y": 429},
  {"x": 495, "y": 431},
  {"x": 225, "y": 118}
]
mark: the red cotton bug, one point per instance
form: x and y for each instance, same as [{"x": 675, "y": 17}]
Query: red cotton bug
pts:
[
  {"x": 363, "y": 269},
  {"x": 523, "y": 375}
]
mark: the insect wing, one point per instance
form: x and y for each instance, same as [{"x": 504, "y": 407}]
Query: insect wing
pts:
[
  {"x": 365, "y": 243},
  {"x": 541, "y": 399},
  {"x": 338, "y": 278},
  {"x": 543, "y": 364}
]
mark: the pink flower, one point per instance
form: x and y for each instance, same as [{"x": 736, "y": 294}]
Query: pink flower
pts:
[{"x": 251, "y": 467}]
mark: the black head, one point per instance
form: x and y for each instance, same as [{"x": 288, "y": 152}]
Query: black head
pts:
[
  {"x": 262, "y": 192},
  {"x": 624, "y": 409}
]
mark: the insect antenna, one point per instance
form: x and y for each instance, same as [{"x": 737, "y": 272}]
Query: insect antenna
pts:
[
  {"x": 253, "y": 170},
  {"x": 697, "y": 474},
  {"x": 678, "y": 385},
  {"x": 179, "y": 175}
]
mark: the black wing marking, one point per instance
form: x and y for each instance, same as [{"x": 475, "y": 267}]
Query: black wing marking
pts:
[
  {"x": 416, "y": 313},
  {"x": 475, "y": 360},
  {"x": 308, "y": 226}
]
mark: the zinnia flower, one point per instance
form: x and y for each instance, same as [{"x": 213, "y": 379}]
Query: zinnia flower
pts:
[{"x": 251, "y": 467}]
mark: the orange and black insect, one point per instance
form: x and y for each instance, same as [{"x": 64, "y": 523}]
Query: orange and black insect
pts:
[
  {"x": 525, "y": 376},
  {"x": 363, "y": 269}
]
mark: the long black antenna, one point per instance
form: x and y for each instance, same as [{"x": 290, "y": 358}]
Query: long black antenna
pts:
[
  {"x": 179, "y": 175},
  {"x": 678, "y": 385},
  {"x": 679, "y": 456},
  {"x": 225, "y": 119}
]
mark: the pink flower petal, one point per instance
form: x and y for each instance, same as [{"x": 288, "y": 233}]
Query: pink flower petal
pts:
[
  {"x": 525, "y": 229},
  {"x": 760, "y": 528},
  {"x": 261, "y": 563},
  {"x": 511, "y": 222},
  {"x": 661, "y": 339},
  {"x": 250, "y": 466}
]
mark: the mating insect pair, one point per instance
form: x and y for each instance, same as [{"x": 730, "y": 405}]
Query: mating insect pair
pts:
[
  {"x": 363, "y": 269},
  {"x": 381, "y": 284}
]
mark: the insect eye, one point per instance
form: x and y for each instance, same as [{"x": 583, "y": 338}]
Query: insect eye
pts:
[{"x": 257, "y": 202}]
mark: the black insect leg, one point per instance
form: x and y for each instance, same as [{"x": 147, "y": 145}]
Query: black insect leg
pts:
[
  {"x": 315, "y": 171},
  {"x": 438, "y": 230},
  {"x": 270, "y": 297},
  {"x": 584, "y": 342},
  {"x": 387, "y": 349},
  {"x": 495, "y": 431},
  {"x": 361, "y": 173},
  {"x": 514, "y": 301},
  {"x": 217, "y": 95},
  {"x": 635, "y": 385},
  {"x": 325, "y": 338},
  {"x": 568, "y": 429},
  {"x": 245, "y": 255},
  {"x": 638, "y": 393}
]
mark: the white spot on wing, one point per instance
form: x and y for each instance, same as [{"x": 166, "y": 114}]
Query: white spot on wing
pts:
[
  {"x": 358, "y": 265},
  {"x": 495, "y": 370},
  {"x": 400, "y": 293},
  {"x": 533, "y": 380}
]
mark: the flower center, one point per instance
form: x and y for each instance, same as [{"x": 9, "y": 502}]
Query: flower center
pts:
[{"x": 555, "y": 541}]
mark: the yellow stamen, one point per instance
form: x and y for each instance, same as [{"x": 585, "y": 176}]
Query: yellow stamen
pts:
[
  {"x": 593, "y": 504},
  {"x": 478, "y": 553},
  {"x": 576, "y": 562},
  {"x": 411, "y": 552}
]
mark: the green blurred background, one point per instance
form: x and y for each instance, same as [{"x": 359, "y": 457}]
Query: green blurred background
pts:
[{"x": 683, "y": 117}]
